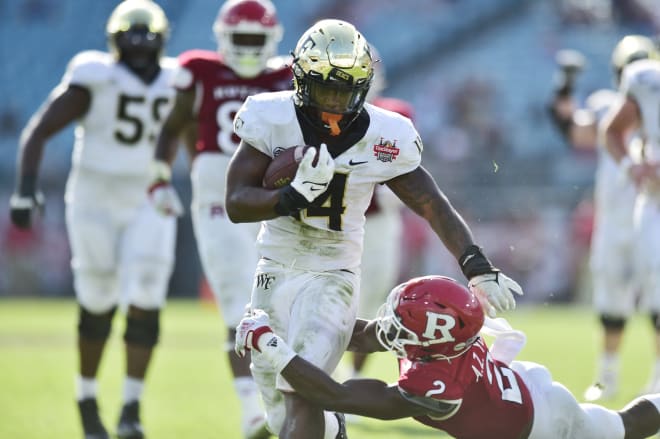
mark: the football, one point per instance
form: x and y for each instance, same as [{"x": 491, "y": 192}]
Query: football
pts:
[{"x": 283, "y": 167}]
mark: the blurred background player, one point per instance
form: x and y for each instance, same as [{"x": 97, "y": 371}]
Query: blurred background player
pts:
[
  {"x": 122, "y": 249},
  {"x": 612, "y": 248},
  {"x": 211, "y": 86},
  {"x": 640, "y": 86},
  {"x": 381, "y": 257},
  {"x": 449, "y": 379}
]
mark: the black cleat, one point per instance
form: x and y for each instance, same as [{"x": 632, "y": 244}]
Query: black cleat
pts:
[
  {"x": 89, "y": 415},
  {"x": 341, "y": 419},
  {"x": 129, "y": 426}
]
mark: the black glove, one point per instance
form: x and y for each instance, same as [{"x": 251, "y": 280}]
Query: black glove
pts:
[
  {"x": 24, "y": 202},
  {"x": 290, "y": 202}
]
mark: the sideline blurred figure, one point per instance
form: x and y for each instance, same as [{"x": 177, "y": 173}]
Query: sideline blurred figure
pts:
[
  {"x": 211, "y": 86},
  {"x": 612, "y": 247},
  {"x": 639, "y": 111},
  {"x": 123, "y": 250}
]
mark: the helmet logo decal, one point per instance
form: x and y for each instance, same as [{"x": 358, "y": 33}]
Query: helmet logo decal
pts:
[
  {"x": 439, "y": 322},
  {"x": 386, "y": 150}
]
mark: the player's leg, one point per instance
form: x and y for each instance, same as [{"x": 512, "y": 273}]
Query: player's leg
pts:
[
  {"x": 146, "y": 262},
  {"x": 320, "y": 327},
  {"x": 92, "y": 239},
  {"x": 648, "y": 230},
  {"x": 558, "y": 415},
  {"x": 613, "y": 298},
  {"x": 228, "y": 255}
]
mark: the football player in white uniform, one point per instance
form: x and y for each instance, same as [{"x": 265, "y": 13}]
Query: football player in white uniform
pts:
[
  {"x": 211, "y": 86},
  {"x": 311, "y": 235},
  {"x": 640, "y": 110},
  {"x": 612, "y": 248},
  {"x": 122, "y": 249}
]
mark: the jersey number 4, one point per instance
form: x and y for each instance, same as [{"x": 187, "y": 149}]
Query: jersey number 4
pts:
[{"x": 331, "y": 203}]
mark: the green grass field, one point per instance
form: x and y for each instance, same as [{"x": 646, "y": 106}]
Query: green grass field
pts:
[{"x": 189, "y": 393}]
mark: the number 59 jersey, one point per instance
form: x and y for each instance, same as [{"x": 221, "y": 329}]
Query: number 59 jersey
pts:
[
  {"x": 328, "y": 235},
  {"x": 118, "y": 133}
]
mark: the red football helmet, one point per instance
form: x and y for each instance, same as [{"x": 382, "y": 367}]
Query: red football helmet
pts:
[
  {"x": 430, "y": 317},
  {"x": 248, "y": 32}
]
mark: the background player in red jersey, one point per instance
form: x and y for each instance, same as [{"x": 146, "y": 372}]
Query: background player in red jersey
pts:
[
  {"x": 211, "y": 86},
  {"x": 449, "y": 379}
]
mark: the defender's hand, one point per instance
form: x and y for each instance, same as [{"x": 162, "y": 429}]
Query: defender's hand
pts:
[
  {"x": 312, "y": 180},
  {"x": 495, "y": 292},
  {"x": 21, "y": 208},
  {"x": 248, "y": 331}
]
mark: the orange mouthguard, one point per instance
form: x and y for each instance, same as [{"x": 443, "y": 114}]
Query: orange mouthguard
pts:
[{"x": 332, "y": 119}]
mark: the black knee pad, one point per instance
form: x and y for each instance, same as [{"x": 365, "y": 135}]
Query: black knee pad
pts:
[
  {"x": 655, "y": 321},
  {"x": 610, "y": 322},
  {"x": 95, "y": 326},
  {"x": 143, "y": 330}
]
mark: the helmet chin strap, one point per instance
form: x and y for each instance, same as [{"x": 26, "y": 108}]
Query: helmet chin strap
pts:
[{"x": 332, "y": 119}]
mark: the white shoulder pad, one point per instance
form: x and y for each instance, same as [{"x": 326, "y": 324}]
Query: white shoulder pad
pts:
[
  {"x": 259, "y": 114},
  {"x": 601, "y": 100},
  {"x": 168, "y": 63},
  {"x": 182, "y": 79},
  {"x": 640, "y": 77},
  {"x": 89, "y": 68}
]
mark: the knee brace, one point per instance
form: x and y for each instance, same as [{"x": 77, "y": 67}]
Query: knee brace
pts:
[
  {"x": 655, "y": 321},
  {"x": 143, "y": 330},
  {"x": 95, "y": 326},
  {"x": 610, "y": 322}
]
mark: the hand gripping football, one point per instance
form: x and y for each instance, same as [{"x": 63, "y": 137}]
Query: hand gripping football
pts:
[{"x": 282, "y": 169}]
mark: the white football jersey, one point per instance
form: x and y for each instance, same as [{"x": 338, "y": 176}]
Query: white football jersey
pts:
[
  {"x": 118, "y": 134},
  {"x": 328, "y": 235},
  {"x": 641, "y": 81},
  {"x": 614, "y": 195}
]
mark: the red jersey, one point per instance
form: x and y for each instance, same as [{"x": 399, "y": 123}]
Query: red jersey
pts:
[
  {"x": 494, "y": 400},
  {"x": 220, "y": 93}
]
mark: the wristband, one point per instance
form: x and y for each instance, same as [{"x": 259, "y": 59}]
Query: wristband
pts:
[
  {"x": 275, "y": 350},
  {"x": 161, "y": 171},
  {"x": 473, "y": 262},
  {"x": 290, "y": 201}
]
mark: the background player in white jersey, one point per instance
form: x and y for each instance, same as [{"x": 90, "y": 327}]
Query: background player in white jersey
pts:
[
  {"x": 640, "y": 110},
  {"x": 612, "y": 248},
  {"x": 449, "y": 379},
  {"x": 211, "y": 86},
  {"x": 311, "y": 233},
  {"x": 123, "y": 250}
]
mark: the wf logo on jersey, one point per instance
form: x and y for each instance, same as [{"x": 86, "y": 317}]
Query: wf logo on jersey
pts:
[
  {"x": 386, "y": 150},
  {"x": 265, "y": 281}
]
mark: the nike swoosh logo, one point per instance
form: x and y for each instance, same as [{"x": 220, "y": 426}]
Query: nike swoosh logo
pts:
[
  {"x": 352, "y": 163},
  {"x": 314, "y": 187}
]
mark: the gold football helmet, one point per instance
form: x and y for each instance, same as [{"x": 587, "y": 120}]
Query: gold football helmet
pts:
[
  {"x": 137, "y": 26},
  {"x": 631, "y": 48},
  {"x": 332, "y": 69}
]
